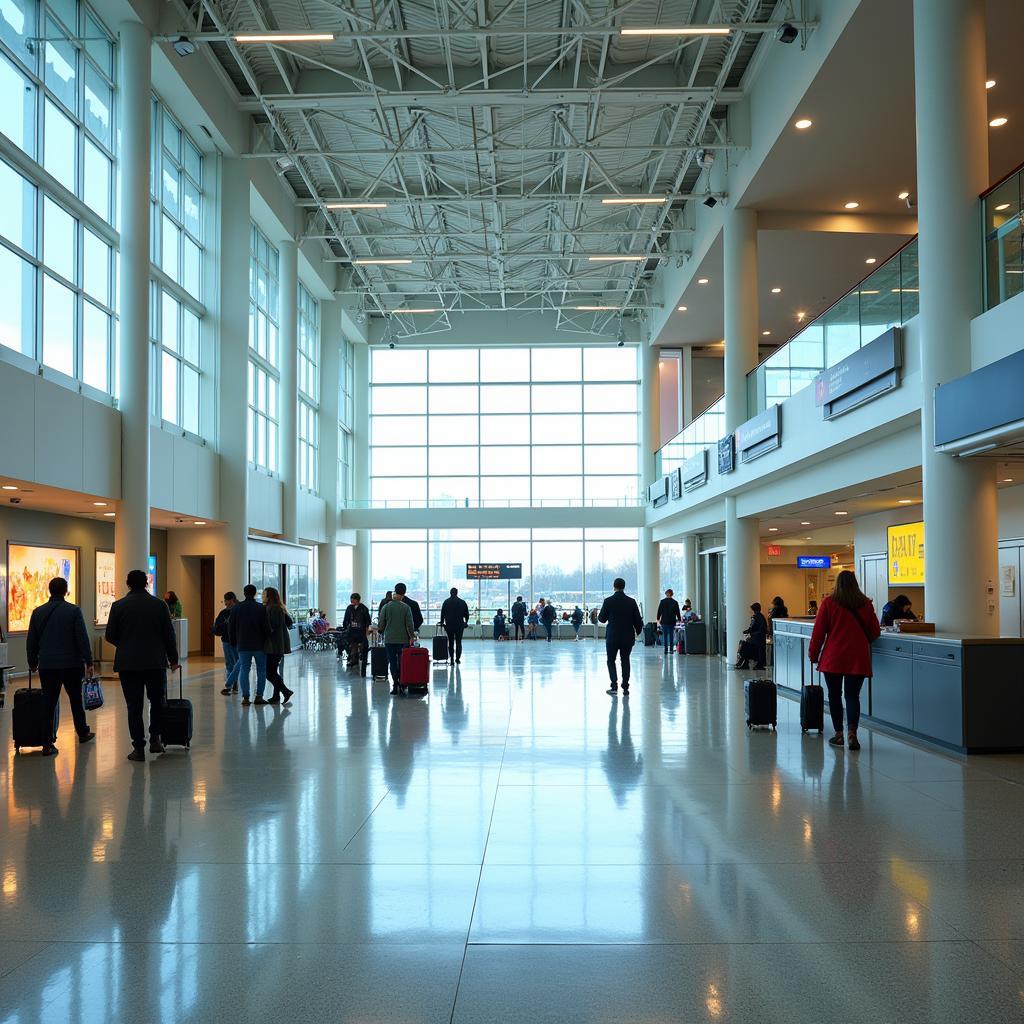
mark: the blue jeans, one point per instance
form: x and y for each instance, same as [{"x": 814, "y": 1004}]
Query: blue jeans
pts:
[
  {"x": 394, "y": 659},
  {"x": 547, "y": 629},
  {"x": 230, "y": 665},
  {"x": 838, "y": 687},
  {"x": 245, "y": 660},
  {"x": 668, "y": 634}
]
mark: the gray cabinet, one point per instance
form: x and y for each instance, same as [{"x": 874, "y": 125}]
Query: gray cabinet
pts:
[
  {"x": 892, "y": 686},
  {"x": 938, "y": 700}
]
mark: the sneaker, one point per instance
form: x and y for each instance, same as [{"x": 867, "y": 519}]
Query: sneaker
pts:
[
  {"x": 288, "y": 694},
  {"x": 625, "y": 689},
  {"x": 276, "y": 699},
  {"x": 138, "y": 754},
  {"x": 260, "y": 701},
  {"x": 246, "y": 702},
  {"x": 614, "y": 690},
  {"x": 88, "y": 736},
  {"x": 394, "y": 691},
  {"x": 156, "y": 747},
  {"x": 226, "y": 692}
]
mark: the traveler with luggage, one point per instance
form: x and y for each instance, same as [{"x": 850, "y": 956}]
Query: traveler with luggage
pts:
[
  {"x": 139, "y": 626},
  {"x": 668, "y": 615},
  {"x": 547, "y": 617},
  {"x": 577, "y": 621},
  {"x": 898, "y": 608},
  {"x": 519, "y": 618},
  {"x": 844, "y": 629},
  {"x": 277, "y": 645},
  {"x": 58, "y": 646},
  {"x": 396, "y": 627},
  {"x": 454, "y": 620},
  {"x": 248, "y": 630},
  {"x": 755, "y": 647},
  {"x": 354, "y": 627},
  {"x": 220, "y": 628},
  {"x": 624, "y": 624},
  {"x": 417, "y": 615}
]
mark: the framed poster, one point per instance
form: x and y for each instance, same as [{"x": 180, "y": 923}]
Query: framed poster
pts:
[
  {"x": 30, "y": 567},
  {"x": 106, "y": 586},
  {"x": 906, "y": 555}
]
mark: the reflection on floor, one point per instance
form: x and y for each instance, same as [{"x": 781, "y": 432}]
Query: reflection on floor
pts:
[{"x": 517, "y": 848}]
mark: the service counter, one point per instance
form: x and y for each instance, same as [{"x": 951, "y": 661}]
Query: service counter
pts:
[{"x": 963, "y": 692}]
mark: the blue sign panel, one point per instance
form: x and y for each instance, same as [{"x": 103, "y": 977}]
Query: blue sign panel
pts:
[{"x": 814, "y": 561}]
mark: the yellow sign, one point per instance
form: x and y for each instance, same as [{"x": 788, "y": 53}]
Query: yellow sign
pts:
[{"x": 906, "y": 555}]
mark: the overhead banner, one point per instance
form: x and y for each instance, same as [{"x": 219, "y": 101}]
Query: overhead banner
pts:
[
  {"x": 906, "y": 555},
  {"x": 494, "y": 570},
  {"x": 863, "y": 375},
  {"x": 695, "y": 470},
  {"x": 760, "y": 434}
]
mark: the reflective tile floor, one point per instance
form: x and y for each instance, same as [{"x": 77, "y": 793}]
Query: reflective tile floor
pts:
[{"x": 519, "y": 847}]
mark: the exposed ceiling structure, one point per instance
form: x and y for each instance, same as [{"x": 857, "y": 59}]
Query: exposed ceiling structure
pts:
[{"x": 494, "y": 140}]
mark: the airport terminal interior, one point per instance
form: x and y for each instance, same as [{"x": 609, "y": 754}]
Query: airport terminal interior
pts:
[{"x": 535, "y": 300}]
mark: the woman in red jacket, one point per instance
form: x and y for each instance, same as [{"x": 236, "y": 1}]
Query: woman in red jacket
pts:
[{"x": 846, "y": 625}]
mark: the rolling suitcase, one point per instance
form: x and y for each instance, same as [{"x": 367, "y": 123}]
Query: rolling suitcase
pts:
[
  {"x": 812, "y": 707},
  {"x": 439, "y": 651},
  {"x": 378, "y": 662},
  {"x": 31, "y": 724},
  {"x": 414, "y": 669},
  {"x": 695, "y": 638},
  {"x": 650, "y": 634},
  {"x": 761, "y": 702},
  {"x": 176, "y": 725}
]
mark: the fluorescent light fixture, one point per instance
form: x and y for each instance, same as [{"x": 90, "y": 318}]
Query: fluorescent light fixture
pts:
[
  {"x": 595, "y": 309},
  {"x": 998, "y": 122},
  {"x": 285, "y": 37},
  {"x": 1001, "y": 207},
  {"x": 776, "y": 290},
  {"x": 614, "y": 259},
  {"x": 868, "y": 291},
  {"x": 805, "y": 524},
  {"x": 702, "y": 280},
  {"x": 905, "y": 290},
  {"x": 803, "y": 124},
  {"x": 1007, "y": 479},
  {"x": 840, "y": 513},
  {"x": 357, "y": 206},
  {"x": 418, "y": 309},
  {"x": 905, "y": 501},
  {"x": 683, "y": 30},
  {"x": 870, "y": 260},
  {"x": 903, "y": 195},
  {"x": 198, "y": 522},
  {"x": 371, "y": 262},
  {"x": 850, "y": 206},
  {"x": 110, "y": 515},
  {"x": 100, "y": 504},
  {"x": 764, "y": 334},
  {"x": 9, "y": 487},
  {"x": 990, "y": 84},
  {"x": 682, "y": 309},
  {"x": 773, "y": 529},
  {"x": 635, "y": 201}
]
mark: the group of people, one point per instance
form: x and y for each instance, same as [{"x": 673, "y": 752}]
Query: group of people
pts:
[
  {"x": 527, "y": 621},
  {"x": 670, "y": 615}
]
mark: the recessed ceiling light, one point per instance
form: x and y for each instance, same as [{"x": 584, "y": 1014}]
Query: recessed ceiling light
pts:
[
  {"x": 702, "y": 280},
  {"x": 683, "y": 30},
  {"x": 841, "y": 513},
  {"x": 100, "y": 504},
  {"x": 773, "y": 529},
  {"x": 9, "y": 487},
  {"x": 850, "y": 206},
  {"x": 808, "y": 538},
  {"x": 1007, "y": 479},
  {"x": 682, "y": 309},
  {"x": 357, "y": 206},
  {"x": 803, "y": 124},
  {"x": 370, "y": 262},
  {"x": 906, "y": 501},
  {"x": 801, "y": 315},
  {"x": 775, "y": 291},
  {"x": 764, "y": 334},
  {"x": 870, "y": 260},
  {"x": 1002, "y": 206},
  {"x": 998, "y": 122},
  {"x": 198, "y": 522},
  {"x": 286, "y": 37},
  {"x": 110, "y": 515},
  {"x": 903, "y": 195},
  {"x": 990, "y": 84},
  {"x": 804, "y": 524},
  {"x": 615, "y": 259},
  {"x": 634, "y": 201}
]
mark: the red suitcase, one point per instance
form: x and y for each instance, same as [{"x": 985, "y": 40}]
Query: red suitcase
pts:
[{"x": 414, "y": 669}]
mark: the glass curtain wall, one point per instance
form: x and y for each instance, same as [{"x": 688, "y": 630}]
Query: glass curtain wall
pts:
[
  {"x": 264, "y": 352},
  {"x": 309, "y": 390},
  {"x": 57, "y": 244},
  {"x": 566, "y": 566},
  {"x": 457, "y": 427},
  {"x": 346, "y": 372}
]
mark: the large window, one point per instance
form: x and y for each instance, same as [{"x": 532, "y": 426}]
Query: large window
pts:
[
  {"x": 458, "y": 427},
  {"x": 264, "y": 352},
  {"x": 345, "y": 418},
  {"x": 56, "y": 242},
  {"x": 568, "y": 566},
  {"x": 309, "y": 389}
]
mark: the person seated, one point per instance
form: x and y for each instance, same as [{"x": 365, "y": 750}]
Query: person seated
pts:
[
  {"x": 898, "y": 608},
  {"x": 688, "y": 614},
  {"x": 755, "y": 646},
  {"x": 812, "y": 609}
]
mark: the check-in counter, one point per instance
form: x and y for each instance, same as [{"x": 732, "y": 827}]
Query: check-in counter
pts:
[{"x": 963, "y": 692}]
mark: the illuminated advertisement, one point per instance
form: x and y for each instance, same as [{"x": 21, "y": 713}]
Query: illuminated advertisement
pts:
[
  {"x": 107, "y": 587},
  {"x": 30, "y": 567},
  {"x": 906, "y": 555}
]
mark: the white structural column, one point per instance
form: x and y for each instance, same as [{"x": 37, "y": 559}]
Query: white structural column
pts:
[
  {"x": 289, "y": 444},
  {"x": 686, "y": 373},
  {"x": 330, "y": 381},
  {"x": 650, "y": 385},
  {"x": 131, "y": 527},
  {"x": 231, "y": 569},
  {"x": 362, "y": 573},
  {"x": 961, "y": 528},
  {"x": 742, "y": 552},
  {"x": 690, "y": 571}
]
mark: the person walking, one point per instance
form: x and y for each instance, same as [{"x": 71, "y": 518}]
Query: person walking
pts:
[
  {"x": 354, "y": 626},
  {"x": 277, "y": 645},
  {"x": 58, "y": 646},
  {"x": 755, "y": 647},
  {"x": 396, "y": 627},
  {"x": 547, "y": 617},
  {"x": 139, "y": 626},
  {"x": 577, "y": 621},
  {"x": 248, "y": 630},
  {"x": 454, "y": 620},
  {"x": 624, "y": 624},
  {"x": 668, "y": 615},
  {"x": 844, "y": 629},
  {"x": 518, "y": 616},
  {"x": 220, "y": 628}
]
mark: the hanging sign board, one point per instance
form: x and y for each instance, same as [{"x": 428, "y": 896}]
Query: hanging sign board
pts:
[
  {"x": 863, "y": 375},
  {"x": 695, "y": 470},
  {"x": 494, "y": 570},
  {"x": 814, "y": 561},
  {"x": 760, "y": 434}
]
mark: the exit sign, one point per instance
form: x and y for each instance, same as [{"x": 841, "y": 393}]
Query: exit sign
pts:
[{"x": 774, "y": 549}]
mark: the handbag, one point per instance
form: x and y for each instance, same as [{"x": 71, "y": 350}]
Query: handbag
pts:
[{"x": 92, "y": 693}]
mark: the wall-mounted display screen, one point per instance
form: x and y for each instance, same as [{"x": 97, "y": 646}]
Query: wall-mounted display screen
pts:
[
  {"x": 906, "y": 555},
  {"x": 814, "y": 561},
  {"x": 30, "y": 567}
]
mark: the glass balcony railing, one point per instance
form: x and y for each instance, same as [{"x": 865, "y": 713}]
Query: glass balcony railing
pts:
[
  {"x": 702, "y": 432},
  {"x": 1001, "y": 209}
]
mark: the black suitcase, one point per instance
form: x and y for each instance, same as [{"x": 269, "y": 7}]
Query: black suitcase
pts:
[
  {"x": 812, "y": 708},
  {"x": 378, "y": 662},
  {"x": 31, "y": 725},
  {"x": 695, "y": 638},
  {"x": 439, "y": 648},
  {"x": 650, "y": 634},
  {"x": 176, "y": 724},
  {"x": 760, "y": 700}
]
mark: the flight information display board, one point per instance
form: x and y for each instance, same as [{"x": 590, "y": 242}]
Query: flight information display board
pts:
[{"x": 494, "y": 570}]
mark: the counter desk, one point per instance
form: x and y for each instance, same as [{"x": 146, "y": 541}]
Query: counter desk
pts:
[{"x": 962, "y": 692}]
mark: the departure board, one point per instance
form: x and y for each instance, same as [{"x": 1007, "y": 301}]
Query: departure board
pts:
[{"x": 494, "y": 570}]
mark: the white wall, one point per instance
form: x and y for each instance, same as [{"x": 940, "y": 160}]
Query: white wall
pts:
[{"x": 996, "y": 333}]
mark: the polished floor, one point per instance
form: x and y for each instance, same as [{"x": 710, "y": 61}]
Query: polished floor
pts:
[{"x": 519, "y": 847}]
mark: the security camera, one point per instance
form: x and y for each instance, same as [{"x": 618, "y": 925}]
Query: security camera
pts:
[
  {"x": 786, "y": 33},
  {"x": 15, "y": 501},
  {"x": 705, "y": 158},
  {"x": 911, "y": 201},
  {"x": 621, "y": 343},
  {"x": 183, "y": 46},
  {"x": 391, "y": 344},
  {"x": 710, "y": 202}
]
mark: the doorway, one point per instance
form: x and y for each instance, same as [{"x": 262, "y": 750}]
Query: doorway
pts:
[
  {"x": 712, "y": 598},
  {"x": 207, "y": 606}
]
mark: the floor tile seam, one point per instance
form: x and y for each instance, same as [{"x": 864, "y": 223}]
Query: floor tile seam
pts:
[
  {"x": 452, "y": 946},
  {"x": 825, "y": 943},
  {"x": 44, "y": 944},
  {"x": 365, "y": 820}
]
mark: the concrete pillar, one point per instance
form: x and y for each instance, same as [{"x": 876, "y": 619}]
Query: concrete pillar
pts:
[
  {"x": 232, "y": 303},
  {"x": 690, "y": 571},
  {"x": 330, "y": 363},
  {"x": 289, "y": 465},
  {"x": 961, "y": 530},
  {"x": 650, "y": 576},
  {"x": 131, "y": 527},
  {"x": 742, "y": 572},
  {"x": 686, "y": 373},
  {"x": 362, "y": 569},
  {"x": 650, "y": 427},
  {"x": 740, "y": 288}
]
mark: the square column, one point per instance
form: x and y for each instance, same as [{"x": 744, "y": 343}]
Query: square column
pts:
[
  {"x": 330, "y": 383},
  {"x": 289, "y": 390}
]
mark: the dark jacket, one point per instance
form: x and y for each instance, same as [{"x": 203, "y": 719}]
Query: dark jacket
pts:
[
  {"x": 621, "y": 613},
  {"x": 548, "y": 613},
  {"x": 417, "y": 615},
  {"x": 518, "y": 613},
  {"x": 220, "y": 625},
  {"x": 278, "y": 642},
  {"x": 356, "y": 618},
  {"x": 57, "y": 637},
  {"x": 140, "y": 628},
  {"x": 455, "y": 614},
  {"x": 757, "y": 630},
  {"x": 577, "y": 616},
  {"x": 891, "y": 612},
  {"x": 248, "y": 627},
  {"x": 668, "y": 611}
]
